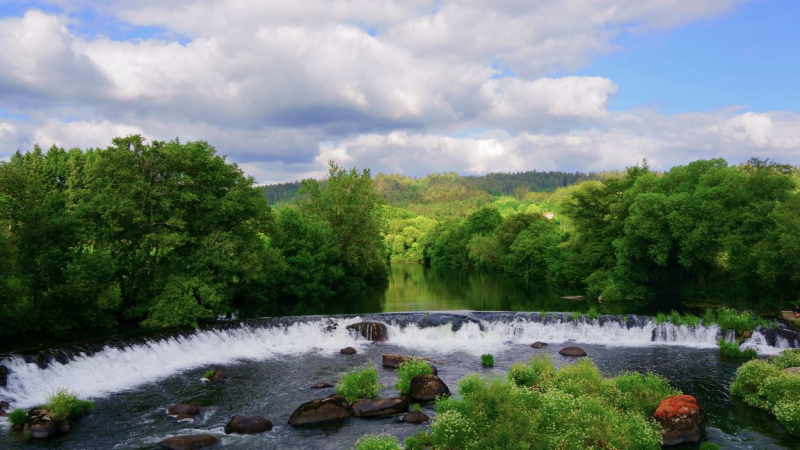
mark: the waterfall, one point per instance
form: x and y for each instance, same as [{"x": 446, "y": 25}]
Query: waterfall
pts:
[{"x": 114, "y": 368}]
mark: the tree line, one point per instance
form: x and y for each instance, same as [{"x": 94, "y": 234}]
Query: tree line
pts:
[
  {"x": 703, "y": 230},
  {"x": 167, "y": 234}
]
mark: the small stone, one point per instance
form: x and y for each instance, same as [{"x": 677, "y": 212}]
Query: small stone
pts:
[
  {"x": 322, "y": 385},
  {"x": 348, "y": 351},
  {"x": 188, "y": 442},
  {"x": 248, "y": 425},
  {"x": 416, "y": 417},
  {"x": 218, "y": 377},
  {"x": 4, "y": 405},
  {"x": 184, "y": 411},
  {"x": 380, "y": 407},
  {"x": 334, "y": 407},
  {"x": 539, "y": 344},
  {"x": 575, "y": 352},
  {"x": 746, "y": 334}
]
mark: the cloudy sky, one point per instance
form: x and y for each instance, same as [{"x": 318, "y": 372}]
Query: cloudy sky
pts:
[{"x": 408, "y": 86}]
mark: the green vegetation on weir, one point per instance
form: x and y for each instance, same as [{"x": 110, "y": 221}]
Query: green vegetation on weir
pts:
[
  {"x": 540, "y": 406},
  {"x": 170, "y": 234}
]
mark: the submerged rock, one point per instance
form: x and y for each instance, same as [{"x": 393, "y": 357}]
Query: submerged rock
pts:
[
  {"x": 248, "y": 425},
  {"x": 380, "y": 407},
  {"x": 4, "y": 405},
  {"x": 416, "y": 417},
  {"x": 348, "y": 351},
  {"x": 682, "y": 419},
  {"x": 575, "y": 352},
  {"x": 4, "y": 371},
  {"x": 373, "y": 331},
  {"x": 184, "y": 411},
  {"x": 539, "y": 344},
  {"x": 188, "y": 442},
  {"x": 321, "y": 385},
  {"x": 334, "y": 407},
  {"x": 427, "y": 387}
]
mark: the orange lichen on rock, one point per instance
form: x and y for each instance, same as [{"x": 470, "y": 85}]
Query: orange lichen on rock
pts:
[{"x": 675, "y": 406}]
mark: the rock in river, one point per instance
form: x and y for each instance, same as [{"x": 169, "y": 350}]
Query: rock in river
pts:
[
  {"x": 348, "y": 351},
  {"x": 682, "y": 419},
  {"x": 373, "y": 331},
  {"x": 427, "y": 387},
  {"x": 184, "y": 411},
  {"x": 572, "y": 351},
  {"x": 539, "y": 344},
  {"x": 380, "y": 407},
  {"x": 391, "y": 361},
  {"x": 218, "y": 377},
  {"x": 321, "y": 410},
  {"x": 322, "y": 385},
  {"x": 248, "y": 425},
  {"x": 415, "y": 417},
  {"x": 188, "y": 442}
]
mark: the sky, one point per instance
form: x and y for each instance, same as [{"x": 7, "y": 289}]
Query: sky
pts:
[{"x": 409, "y": 86}]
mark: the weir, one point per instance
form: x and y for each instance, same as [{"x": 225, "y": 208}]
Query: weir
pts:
[{"x": 95, "y": 371}]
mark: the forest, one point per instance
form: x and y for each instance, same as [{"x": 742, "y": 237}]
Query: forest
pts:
[{"x": 166, "y": 234}]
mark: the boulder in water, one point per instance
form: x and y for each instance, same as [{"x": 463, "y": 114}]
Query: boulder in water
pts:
[
  {"x": 380, "y": 407},
  {"x": 574, "y": 352},
  {"x": 184, "y": 411},
  {"x": 539, "y": 344},
  {"x": 682, "y": 419},
  {"x": 41, "y": 424},
  {"x": 416, "y": 417},
  {"x": 4, "y": 405},
  {"x": 188, "y": 442},
  {"x": 334, "y": 407},
  {"x": 427, "y": 387},
  {"x": 373, "y": 331},
  {"x": 746, "y": 334},
  {"x": 3, "y": 375},
  {"x": 321, "y": 385},
  {"x": 248, "y": 425},
  {"x": 3, "y": 413},
  {"x": 348, "y": 351}
]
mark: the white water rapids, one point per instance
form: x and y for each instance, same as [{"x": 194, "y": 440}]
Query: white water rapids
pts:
[{"x": 113, "y": 370}]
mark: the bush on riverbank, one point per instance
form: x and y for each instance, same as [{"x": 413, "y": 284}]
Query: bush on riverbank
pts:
[
  {"x": 18, "y": 417},
  {"x": 380, "y": 442},
  {"x": 732, "y": 350},
  {"x": 359, "y": 384},
  {"x": 407, "y": 371},
  {"x": 763, "y": 384},
  {"x": 539, "y": 406}
]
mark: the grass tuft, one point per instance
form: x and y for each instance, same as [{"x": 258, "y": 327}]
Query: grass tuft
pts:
[
  {"x": 487, "y": 360},
  {"x": 407, "y": 371},
  {"x": 359, "y": 384}
]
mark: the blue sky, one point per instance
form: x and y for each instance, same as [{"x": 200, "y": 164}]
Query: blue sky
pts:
[
  {"x": 749, "y": 58},
  {"x": 409, "y": 86}
]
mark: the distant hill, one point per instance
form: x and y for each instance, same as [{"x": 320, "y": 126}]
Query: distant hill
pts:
[{"x": 401, "y": 190}]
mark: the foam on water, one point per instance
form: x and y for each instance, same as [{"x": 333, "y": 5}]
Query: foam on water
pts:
[{"x": 114, "y": 369}]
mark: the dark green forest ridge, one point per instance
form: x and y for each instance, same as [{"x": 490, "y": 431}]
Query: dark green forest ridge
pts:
[{"x": 169, "y": 234}]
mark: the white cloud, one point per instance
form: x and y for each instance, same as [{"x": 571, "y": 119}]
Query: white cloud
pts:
[{"x": 268, "y": 82}]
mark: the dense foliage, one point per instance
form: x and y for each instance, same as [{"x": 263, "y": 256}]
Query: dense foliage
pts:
[
  {"x": 168, "y": 234},
  {"x": 766, "y": 385},
  {"x": 65, "y": 405},
  {"x": 359, "y": 384},
  {"x": 407, "y": 371},
  {"x": 542, "y": 407}
]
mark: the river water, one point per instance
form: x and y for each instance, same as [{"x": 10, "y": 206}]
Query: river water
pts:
[{"x": 271, "y": 364}]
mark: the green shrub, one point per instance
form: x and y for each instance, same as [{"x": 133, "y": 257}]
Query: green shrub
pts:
[
  {"x": 576, "y": 316},
  {"x": 661, "y": 318},
  {"x": 359, "y": 384},
  {"x": 592, "y": 314},
  {"x": 709, "y": 446},
  {"x": 709, "y": 318},
  {"x": 675, "y": 318},
  {"x": 64, "y": 405},
  {"x": 749, "y": 354},
  {"x": 730, "y": 319},
  {"x": 642, "y": 392},
  {"x": 691, "y": 320},
  {"x": 538, "y": 374},
  {"x": 487, "y": 360},
  {"x": 788, "y": 414},
  {"x": 762, "y": 384},
  {"x": 787, "y": 358},
  {"x": 18, "y": 417},
  {"x": 421, "y": 441},
  {"x": 493, "y": 413},
  {"x": 729, "y": 349},
  {"x": 416, "y": 408},
  {"x": 407, "y": 371},
  {"x": 209, "y": 373},
  {"x": 378, "y": 442},
  {"x": 625, "y": 319}
]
